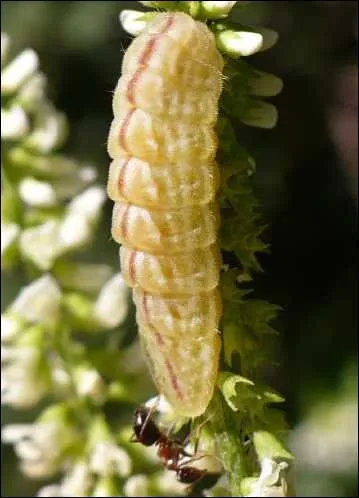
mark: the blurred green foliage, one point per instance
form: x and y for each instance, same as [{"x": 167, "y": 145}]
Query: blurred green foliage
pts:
[{"x": 306, "y": 182}]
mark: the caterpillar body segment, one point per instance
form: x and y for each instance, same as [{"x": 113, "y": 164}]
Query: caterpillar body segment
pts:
[
  {"x": 132, "y": 180},
  {"x": 164, "y": 179}
]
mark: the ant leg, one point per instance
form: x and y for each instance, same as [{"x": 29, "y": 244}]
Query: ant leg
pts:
[
  {"x": 197, "y": 432},
  {"x": 192, "y": 459},
  {"x": 133, "y": 439}
]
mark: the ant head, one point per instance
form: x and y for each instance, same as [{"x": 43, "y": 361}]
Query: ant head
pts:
[{"x": 146, "y": 431}]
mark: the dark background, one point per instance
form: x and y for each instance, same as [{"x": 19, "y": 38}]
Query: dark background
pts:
[{"x": 306, "y": 181}]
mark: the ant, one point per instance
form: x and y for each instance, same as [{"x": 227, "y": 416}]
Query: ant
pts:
[{"x": 170, "y": 451}]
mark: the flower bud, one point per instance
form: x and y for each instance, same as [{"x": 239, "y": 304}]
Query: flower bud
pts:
[
  {"x": 270, "y": 483},
  {"x": 14, "y": 123},
  {"x": 88, "y": 203},
  {"x": 216, "y": 10},
  {"x": 36, "y": 193},
  {"x": 134, "y": 22},
  {"x": 90, "y": 384},
  {"x": 75, "y": 231},
  {"x": 9, "y": 237},
  {"x": 52, "y": 490},
  {"x": 50, "y": 130},
  {"x": 270, "y": 37},
  {"x": 109, "y": 459},
  {"x": 168, "y": 485},
  {"x": 264, "y": 84},
  {"x": 239, "y": 43},
  {"x": 77, "y": 481},
  {"x": 11, "y": 325},
  {"x": 111, "y": 306},
  {"x": 25, "y": 372},
  {"x": 137, "y": 485},
  {"x": 259, "y": 114},
  {"x": 41, "y": 244},
  {"x": 39, "y": 301},
  {"x": 32, "y": 93},
  {"x": 18, "y": 71}
]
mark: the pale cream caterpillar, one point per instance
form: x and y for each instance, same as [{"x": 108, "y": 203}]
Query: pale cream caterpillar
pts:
[{"x": 164, "y": 180}]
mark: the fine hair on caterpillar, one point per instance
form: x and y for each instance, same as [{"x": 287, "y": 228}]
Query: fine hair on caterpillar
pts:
[{"x": 164, "y": 181}]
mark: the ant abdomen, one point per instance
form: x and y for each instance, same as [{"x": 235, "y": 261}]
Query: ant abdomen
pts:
[{"x": 189, "y": 475}]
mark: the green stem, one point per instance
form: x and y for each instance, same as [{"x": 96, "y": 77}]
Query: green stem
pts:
[{"x": 226, "y": 427}]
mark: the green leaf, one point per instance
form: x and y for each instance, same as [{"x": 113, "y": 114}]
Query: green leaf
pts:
[
  {"x": 268, "y": 446},
  {"x": 235, "y": 390}
]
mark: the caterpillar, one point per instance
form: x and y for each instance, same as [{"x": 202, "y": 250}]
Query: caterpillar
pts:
[{"x": 164, "y": 181}]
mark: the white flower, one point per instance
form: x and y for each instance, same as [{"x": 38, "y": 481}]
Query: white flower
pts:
[
  {"x": 39, "y": 301},
  {"x": 24, "y": 377},
  {"x": 36, "y": 193},
  {"x": 77, "y": 481},
  {"x": 239, "y": 43},
  {"x": 88, "y": 203},
  {"x": 75, "y": 231},
  {"x": 10, "y": 327},
  {"x": 216, "y": 10},
  {"x": 60, "y": 377},
  {"x": 50, "y": 129},
  {"x": 87, "y": 174},
  {"x": 9, "y": 235},
  {"x": 89, "y": 383},
  {"x": 39, "y": 447},
  {"x": 53, "y": 490},
  {"x": 14, "y": 123},
  {"x": 81, "y": 213},
  {"x": 32, "y": 93},
  {"x": 270, "y": 482},
  {"x": 111, "y": 306},
  {"x": 41, "y": 244},
  {"x": 107, "y": 459},
  {"x": 133, "y": 22},
  {"x": 167, "y": 484},
  {"x": 17, "y": 72},
  {"x": 137, "y": 485},
  {"x": 15, "y": 432}
]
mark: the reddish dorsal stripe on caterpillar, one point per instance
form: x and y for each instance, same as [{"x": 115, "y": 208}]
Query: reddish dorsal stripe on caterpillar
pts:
[{"x": 164, "y": 180}]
